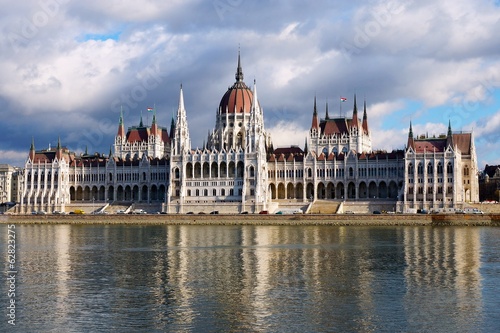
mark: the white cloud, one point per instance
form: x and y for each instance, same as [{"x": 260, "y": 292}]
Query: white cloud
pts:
[{"x": 286, "y": 134}]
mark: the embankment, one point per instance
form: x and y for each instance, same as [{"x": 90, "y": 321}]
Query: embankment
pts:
[{"x": 307, "y": 219}]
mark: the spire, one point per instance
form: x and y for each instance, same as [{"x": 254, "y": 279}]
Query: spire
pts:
[
  {"x": 32, "y": 149},
  {"x": 59, "y": 149},
  {"x": 239, "y": 71},
  {"x": 121, "y": 127},
  {"x": 305, "y": 147},
  {"x": 141, "y": 124},
  {"x": 110, "y": 152},
  {"x": 181, "y": 101},
  {"x": 181, "y": 137},
  {"x": 449, "y": 136},
  {"x": 365, "y": 118},
  {"x": 411, "y": 142},
  {"x": 355, "y": 122},
  {"x": 172, "y": 128},
  {"x": 255, "y": 109},
  {"x": 315, "y": 121},
  {"x": 326, "y": 115}
]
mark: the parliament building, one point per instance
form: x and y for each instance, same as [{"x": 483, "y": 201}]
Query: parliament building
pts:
[{"x": 238, "y": 169}]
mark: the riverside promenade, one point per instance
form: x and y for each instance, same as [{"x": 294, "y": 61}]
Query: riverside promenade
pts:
[{"x": 256, "y": 219}]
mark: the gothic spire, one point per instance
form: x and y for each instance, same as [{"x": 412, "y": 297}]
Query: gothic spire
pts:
[
  {"x": 121, "y": 127},
  {"x": 355, "y": 122},
  {"x": 365, "y": 118},
  {"x": 315, "y": 120},
  {"x": 449, "y": 136},
  {"x": 239, "y": 71},
  {"x": 411, "y": 141},
  {"x": 326, "y": 115}
]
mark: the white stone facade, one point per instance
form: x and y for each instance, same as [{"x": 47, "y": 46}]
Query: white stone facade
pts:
[{"x": 238, "y": 170}]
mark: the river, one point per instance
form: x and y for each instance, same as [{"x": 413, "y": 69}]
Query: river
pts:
[{"x": 140, "y": 278}]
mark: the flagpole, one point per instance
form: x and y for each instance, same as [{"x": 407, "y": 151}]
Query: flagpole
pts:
[{"x": 340, "y": 106}]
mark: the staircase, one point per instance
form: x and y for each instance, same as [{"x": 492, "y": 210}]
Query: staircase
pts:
[{"x": 324, "y": 207}]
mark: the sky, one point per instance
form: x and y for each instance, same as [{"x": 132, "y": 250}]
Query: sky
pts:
[{"x": 68, "y": 67}]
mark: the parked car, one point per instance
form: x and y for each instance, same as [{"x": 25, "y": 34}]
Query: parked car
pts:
[
  {"x": 264, "y": 212},
  {"x": 120, "y": 211},
  {"x": 215, "y": 212},
  {"x": 377, "y": 212},
  {"x": 245, "y": 212}
]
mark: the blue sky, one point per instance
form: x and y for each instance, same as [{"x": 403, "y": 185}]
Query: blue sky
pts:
[{"x": 68, "y": 67}]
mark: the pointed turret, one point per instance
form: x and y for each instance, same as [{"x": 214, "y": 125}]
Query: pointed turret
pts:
[
  {"x": 141, "y": 124},
  {"x": 172, "y": 128},
  {"x": 326, "y": 114},
  {"x": 365, "y": 118},
  {"x": 355, "y": 122},
  {"x": 154, "y": 125},
  {"x": 239, "y": 70},
  {"x": 411, "y": 142},
  {"x": 315, "y": 120},
  {"x": 121, "y": 127},
  {"x": 59, "y": 149},
  {"x": 32, "y": 150},
  {"x": 449, "y": 136},
  {"x": 182, "y": 141}
]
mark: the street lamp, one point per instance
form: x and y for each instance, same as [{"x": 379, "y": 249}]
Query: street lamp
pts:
[{"x": 93, "y": 198}]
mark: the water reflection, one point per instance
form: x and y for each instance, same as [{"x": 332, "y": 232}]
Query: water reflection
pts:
[{"x": 253, "y": 278}]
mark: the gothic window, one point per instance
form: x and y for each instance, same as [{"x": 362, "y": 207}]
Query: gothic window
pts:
[
  {"x": 429, "y": 169},
  {"x": 440, "y": 168},
  {"x": 252, "y": 171},
  {"x": 309, "y": 172},
  {"x": 214, "y": 192},
  {"x": 420, "y": 169},
  {"x": 449, "y": 168},
  {"x": 466, "y": 171},
  {"x": 410, "y": 169},
  {"x": 351, "y": 172}
]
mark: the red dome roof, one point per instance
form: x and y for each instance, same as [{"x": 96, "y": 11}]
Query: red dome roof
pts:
[{"x": 238, "y": 98}]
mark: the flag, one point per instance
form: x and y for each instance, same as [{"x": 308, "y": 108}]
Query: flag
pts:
[
  {"x": 343, "y": 99},
  {"x": 150, "y": 109}
]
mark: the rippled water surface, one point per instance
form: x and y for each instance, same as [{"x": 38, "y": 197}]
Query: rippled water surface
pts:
[{"x": 101, "y": 278}]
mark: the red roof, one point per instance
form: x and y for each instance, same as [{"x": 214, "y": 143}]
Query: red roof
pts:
[{"x": 237, "y": 99}]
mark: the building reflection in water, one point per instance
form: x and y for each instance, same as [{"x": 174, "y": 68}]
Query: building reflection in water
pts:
[{"x": 243, "y": 278}]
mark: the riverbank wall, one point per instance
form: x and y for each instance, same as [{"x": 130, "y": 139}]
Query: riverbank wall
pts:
[{"x": 251, "y": 219}]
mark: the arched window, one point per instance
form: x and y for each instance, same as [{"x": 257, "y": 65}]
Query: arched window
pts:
[
  {"x": 429, "y": 169},
  {"x": 440, "y": 168},
  {"x": 410, "y": 169},
  {"x": 420, "y": 170},
  {"x": 449, "y": 168}
]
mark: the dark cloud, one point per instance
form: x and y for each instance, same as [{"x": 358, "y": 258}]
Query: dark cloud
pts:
[{"x": 63, "y": 78}]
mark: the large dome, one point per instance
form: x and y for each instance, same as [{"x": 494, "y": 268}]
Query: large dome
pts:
[{"x": 238, "y": 98}]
